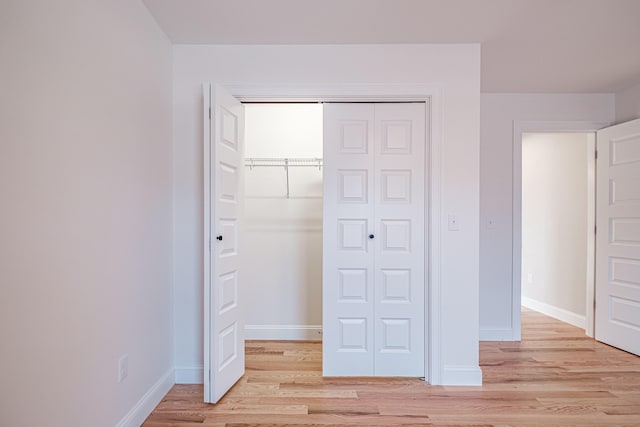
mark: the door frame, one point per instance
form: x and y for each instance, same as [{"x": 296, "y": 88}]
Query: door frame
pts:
[
  {"x": 431, "y": 95},
  {"x": 520, "y": 127}
]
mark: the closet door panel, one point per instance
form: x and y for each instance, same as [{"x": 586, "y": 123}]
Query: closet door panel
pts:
[
  {"x": 374, "y": 239},
  {"x": 347, "y": 249},
  {"x": 223, "y": 327},
  {"x": 399, "y": 254}
]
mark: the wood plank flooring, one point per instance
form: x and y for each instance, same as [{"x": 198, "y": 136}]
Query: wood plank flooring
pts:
[{"x": 555, "y": 377}]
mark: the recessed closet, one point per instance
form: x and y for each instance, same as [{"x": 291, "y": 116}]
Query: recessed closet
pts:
[
  {"x": 372, "y": 242},
  {"x": 282, "y": 237},
  {"x": 317, "y": 225}
]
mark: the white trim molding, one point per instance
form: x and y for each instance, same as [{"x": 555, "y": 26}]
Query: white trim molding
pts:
[
  {"x": 589, "y": 327},
  {"x": 566, "y": 316},
  {"x": 189, "y": 375},
  {"x": 462, "y": 375},
  {"x": 141, "y": 410},
  {"x": 206, "y": 235},
  {"x": 283, "y": 332},
  {"x": 332, "y": 92}
]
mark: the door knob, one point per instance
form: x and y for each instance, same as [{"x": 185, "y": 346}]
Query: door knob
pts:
[
  {"x": 219, "y": 237},
  {"x": 371, "y": 236}
]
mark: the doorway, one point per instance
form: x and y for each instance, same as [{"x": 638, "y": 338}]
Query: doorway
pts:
[
  {"x": 520, "y": 128},
  {"x": 223, "y": 133},
  {"x": 613, "y": 299},
  {"x": 283, "y": 231},
  {"x": 558, "y": 220},
  {"x": 282, "y": 238}
]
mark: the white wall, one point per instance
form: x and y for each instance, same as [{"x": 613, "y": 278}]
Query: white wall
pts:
[
  {"x": 554, "y": 224},
  {"x": 282, "y": 239},
  {"x": 628, "y": 104},
  {"x": 86, "y": 217},
  {"x": 455, "y": 69},
  {"x": 499, "y": 112}
]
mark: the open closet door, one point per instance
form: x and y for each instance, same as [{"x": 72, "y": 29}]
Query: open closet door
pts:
[
  {"x": 223, "y": 329},
  {"x": 618, "y": 237}
]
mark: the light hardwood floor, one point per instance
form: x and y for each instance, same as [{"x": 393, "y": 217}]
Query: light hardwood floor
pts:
[{"x": 555, "y": 377}]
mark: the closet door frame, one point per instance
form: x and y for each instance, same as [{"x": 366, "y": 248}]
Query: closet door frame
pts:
[{"x": 431, "y": 95}]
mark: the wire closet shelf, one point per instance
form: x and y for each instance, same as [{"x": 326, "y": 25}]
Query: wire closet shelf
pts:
[
  {"x": 283, "y": 162},
  {"x": 252, "y": 162}
]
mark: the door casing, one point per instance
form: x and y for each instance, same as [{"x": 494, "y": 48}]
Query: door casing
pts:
[
  {"x": 431, "y": 95},
  {"x": 520, "y": 127}
]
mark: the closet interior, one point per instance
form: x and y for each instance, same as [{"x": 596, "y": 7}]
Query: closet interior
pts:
[{"x": 282, "y": 233}]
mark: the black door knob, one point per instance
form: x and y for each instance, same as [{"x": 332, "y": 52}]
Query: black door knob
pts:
[
  {"x": 219, "y": 237},
  {"x": 371, "y": 236}
]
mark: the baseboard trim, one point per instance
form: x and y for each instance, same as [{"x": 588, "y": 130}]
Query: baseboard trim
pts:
[
  {"x": 283, "y": 332},
  {"x": 141, "y": 410},
  {"x": 497, "y": 334},
  {"x": 462, "y": 375},
  {"x": 567, "y": 316},
  {"x": 189, "y": 375}
]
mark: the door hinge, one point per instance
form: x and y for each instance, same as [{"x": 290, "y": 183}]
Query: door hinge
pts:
[
  {"x": 595, "y": 229},
  {"x": 596, "y": 150},
  {"x": 209, "y": 113}
]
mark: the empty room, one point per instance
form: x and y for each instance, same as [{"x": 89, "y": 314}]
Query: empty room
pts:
[{"x": 285, "y": 212}]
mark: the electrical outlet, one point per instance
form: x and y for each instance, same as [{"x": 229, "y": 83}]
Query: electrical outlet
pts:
[
  {"x": 123, "y": 367},
  {"x": 491, "y": 223}
]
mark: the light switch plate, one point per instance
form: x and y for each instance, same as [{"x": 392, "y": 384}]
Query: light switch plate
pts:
[{"x": 453, "y": 223}]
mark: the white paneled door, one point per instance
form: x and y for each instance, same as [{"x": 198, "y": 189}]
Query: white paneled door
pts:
[
  {"x": 374, "y": 239},
  {"x": 223, "y": 150},
  {"x": 618, "y": 237}
]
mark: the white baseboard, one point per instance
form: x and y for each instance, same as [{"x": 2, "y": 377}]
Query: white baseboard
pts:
[
  {"x": 189, "y": 375},
  {"x": 555, "y": 312},
  {"x": 283, "y": 332},
  {"x": 497, "y": 334},
  {"x": 462, "y": 375},
  {"x": 141, "y": 410}
]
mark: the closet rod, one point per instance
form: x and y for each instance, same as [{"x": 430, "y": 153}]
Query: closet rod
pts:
[
  {"x": 285, "y": 162},
  {"x": 282, "y": 161}
]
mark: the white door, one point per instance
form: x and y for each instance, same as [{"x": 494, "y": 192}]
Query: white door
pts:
[
  {"x": 223, "y": 329},
  {"x": 400, "y": 239},
  {"x": 347, "y": 273},
  {"x": 374, "y": 239},
  {"x": 618, "y": 237}
]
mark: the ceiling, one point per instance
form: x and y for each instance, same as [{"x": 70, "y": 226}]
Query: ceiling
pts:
[{"x": 536, "y": 46}]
